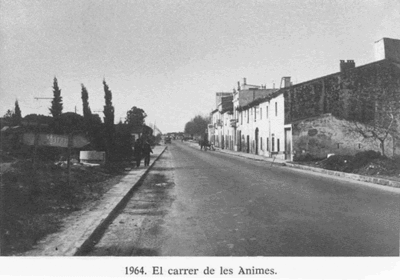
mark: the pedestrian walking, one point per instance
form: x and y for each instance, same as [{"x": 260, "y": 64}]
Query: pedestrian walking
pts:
[
  {"x": 137, "y": 152},
  {"x": 146, "y": 153}
]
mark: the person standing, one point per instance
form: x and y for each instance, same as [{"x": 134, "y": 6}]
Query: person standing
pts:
[
  {"x": 137, "y": 152},
  {"x": 146, "y": 153}
]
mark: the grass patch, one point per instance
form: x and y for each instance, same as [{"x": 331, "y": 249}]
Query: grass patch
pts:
[{"x": 37, "y": 198}]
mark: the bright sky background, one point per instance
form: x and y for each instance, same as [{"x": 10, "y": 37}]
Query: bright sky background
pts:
[{"x": 170, "y": 57}]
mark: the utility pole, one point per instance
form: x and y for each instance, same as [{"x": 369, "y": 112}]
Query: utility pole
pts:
[{"x": 2, "y": 219}]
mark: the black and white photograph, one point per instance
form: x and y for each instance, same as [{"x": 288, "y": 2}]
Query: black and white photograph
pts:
[{"x": 227, "y": 139}]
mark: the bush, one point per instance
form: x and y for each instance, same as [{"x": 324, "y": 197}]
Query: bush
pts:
[
  {"x": 363, "y": 158},
  {"x": 338, "y": 162}
]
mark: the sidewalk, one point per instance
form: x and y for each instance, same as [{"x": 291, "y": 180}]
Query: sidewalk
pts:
[
  {"x": 80, "y": 232},
  {"x": 357, "y": 177}
]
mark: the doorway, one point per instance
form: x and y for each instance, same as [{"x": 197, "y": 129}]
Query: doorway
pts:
[
  {"x": 288, "y": 143},
  {"x": 256, "y": 138}
]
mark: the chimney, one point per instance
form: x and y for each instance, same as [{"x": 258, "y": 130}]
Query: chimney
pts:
[
  {"x": 347, "y": 65},
  {"x": 238, "y": 85},
  {"x": 387, "y": 48},
  {"x": 285, "y": 81},
  {"x": 244, "y": 81}
]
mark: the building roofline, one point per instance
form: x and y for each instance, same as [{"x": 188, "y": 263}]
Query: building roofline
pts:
[{"x": 336, "y": 73}]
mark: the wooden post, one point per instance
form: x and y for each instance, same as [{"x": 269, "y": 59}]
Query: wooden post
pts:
[
  {"x": 36, "y": 144},
  {"x": 69, "y": 159},
  {"x": 2, "y": 219}
]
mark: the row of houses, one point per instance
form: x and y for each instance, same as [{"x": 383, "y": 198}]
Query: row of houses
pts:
[{"x": 315, "y": 118}]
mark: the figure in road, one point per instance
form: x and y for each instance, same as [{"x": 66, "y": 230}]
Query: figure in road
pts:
[
  {"x": 146, "y": 153},
  {"x": 204, "y": 144},
  {"x": 137, "y": 152}
]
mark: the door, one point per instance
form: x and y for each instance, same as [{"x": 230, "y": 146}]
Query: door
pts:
[
  {"x": 239, "y": 141},
  {"x": 256, "y": 135},
  {"x": 288, "y": 143}
]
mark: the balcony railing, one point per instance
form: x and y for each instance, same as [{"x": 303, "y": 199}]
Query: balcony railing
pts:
[{"x": 233, "y": 122}]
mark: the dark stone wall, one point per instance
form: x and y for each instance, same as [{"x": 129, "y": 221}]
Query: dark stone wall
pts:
[{"x": 350, "y": 94}]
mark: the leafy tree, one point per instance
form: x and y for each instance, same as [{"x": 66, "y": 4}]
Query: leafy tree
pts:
[
  {"x": 197, "y": 125},
  {"x": 56, "y": 103},
  {"x": 34, "y": 118},
  {"x": 70, "y": 122},
  {"x": 93, "y": 125},
  {"x": 95, "y": 130},
  {"x": 135, "y": 117},
  {"x": 8, "y": 115},
  {"x": 122, "y": 148},
  {"x": 85, "y": 102}
]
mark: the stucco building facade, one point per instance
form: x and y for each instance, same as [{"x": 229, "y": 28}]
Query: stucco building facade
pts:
[{"x": 317, "y": 117}]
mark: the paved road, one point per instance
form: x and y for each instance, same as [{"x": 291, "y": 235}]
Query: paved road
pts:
[{"x": 197, "y": 203}]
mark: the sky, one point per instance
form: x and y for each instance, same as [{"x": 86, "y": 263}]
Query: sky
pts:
[{"x": 171, "y": 57}]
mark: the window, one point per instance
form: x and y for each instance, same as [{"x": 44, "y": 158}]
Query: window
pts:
[
  {"x": 267, "y": 111},
  {"x": 255, "y": 114},
  {"x": 268, "y": 144},
  {"x": 260, "y": 113},
  {"x": 277, "y": 145},
  {"x": 261, "y": 143},
  {"x": 248, "y": 116},
  {"x": 276, "y": 108}
]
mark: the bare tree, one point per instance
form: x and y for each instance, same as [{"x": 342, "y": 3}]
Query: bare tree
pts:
[{"x": 376, "y": 115}]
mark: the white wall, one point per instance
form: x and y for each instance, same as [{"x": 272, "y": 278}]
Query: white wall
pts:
[{"x": 269, "y": 126}]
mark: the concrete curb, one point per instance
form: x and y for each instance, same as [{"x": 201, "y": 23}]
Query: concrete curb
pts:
[
  {"x": 93, "y": 238},
  {"x": 356, "y": 177}
]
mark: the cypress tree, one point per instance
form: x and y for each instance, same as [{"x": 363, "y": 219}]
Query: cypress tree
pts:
[
  {"x": 108, "y": 120},
  {"x": 56, "y": 103},
  {"x": 17, "y": 116},
  {"x": 85, "y": 102}
]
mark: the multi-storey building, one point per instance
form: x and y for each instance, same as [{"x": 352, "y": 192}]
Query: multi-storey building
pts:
[
  {"x": 317, "y": 117},
  {"x": 220, "y": 132}
]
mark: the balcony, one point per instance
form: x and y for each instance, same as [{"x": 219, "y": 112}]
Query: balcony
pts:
[{"x": 233, "y": 122}]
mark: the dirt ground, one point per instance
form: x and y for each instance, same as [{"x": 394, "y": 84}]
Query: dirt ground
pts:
[
  {"x": 367, "y": 163},
  {"x": 37, "y": 198}
]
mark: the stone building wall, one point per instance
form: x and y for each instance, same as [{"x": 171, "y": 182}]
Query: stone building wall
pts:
[
  {"x": 340, "y": 93},
  {"x": 320, "y": 136}
]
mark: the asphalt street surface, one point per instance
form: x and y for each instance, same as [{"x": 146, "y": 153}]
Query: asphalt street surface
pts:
[{"x": 196, "y": 203}]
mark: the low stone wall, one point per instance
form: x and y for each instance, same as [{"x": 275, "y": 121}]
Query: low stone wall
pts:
[
  {"x": 327, "y": 134},
  {"x": 92, "y": 157}
]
